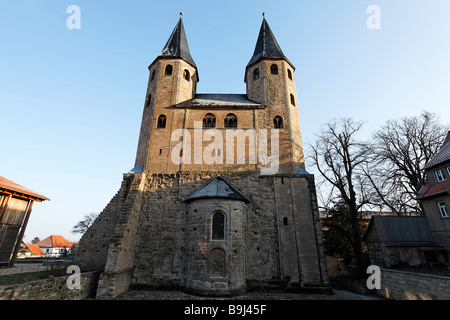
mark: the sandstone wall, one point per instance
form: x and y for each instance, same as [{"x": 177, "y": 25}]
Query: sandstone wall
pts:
[
  {"x": 52, "y": 289},
  {"x": 400, "y": 285}
]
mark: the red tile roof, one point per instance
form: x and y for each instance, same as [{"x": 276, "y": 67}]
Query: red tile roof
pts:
[
  {"x": 442, "y": 155},
  {"x": 34, "y": 249},
  {"x": 430, "y": 190},
  {"x": 12, "y": 186},
  {"x": 54, "y": 241}
]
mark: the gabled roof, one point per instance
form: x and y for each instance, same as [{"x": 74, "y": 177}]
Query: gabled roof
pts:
[
  {"x": 443, "y": 154},
  {"x": 267, "y": 46},
  {"x": 217, "y": 187},
  {"x": 54, "y": 241},
  {"x": 34, "y": 248},
  {"x": 429, "y": 190},
  {"x": 400, "y": 231},
  {"x": 9, "y": 185},
  {"x": 177, "y": 46}
]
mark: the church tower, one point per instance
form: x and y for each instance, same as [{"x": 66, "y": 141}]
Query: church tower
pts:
[
  {"x": 173, "y": 78},
  {"x": 208, "y": 225},
  {"x": 269, "y": 77}
]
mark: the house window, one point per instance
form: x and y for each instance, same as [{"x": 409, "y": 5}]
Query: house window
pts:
[
  {"x": 443, "y": 209},
  {"x": 274, "y": 69},
  {"x": 292, "y": 99},
  {"x": 187, "y": 75},
  {"x": 256, "y": 74},
  {"x": 218, "y": 226},
  {"x": 168, "y": 71},
  {"x": 289, "y": 74},
  {"x": 440, "y": 175},
  {"x": 209, "y": 121},
  {"x": 161, "y": 121},
  {"x": 230, "y": 121},
  {"x": 278, "y": 122}
]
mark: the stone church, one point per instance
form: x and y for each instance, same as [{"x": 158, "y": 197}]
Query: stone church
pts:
[{"x": 219, "y": 201}]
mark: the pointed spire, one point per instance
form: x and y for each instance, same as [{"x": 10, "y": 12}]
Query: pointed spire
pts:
[
  {"x": 266, "y": 45},
  {"x": 177, "y": 46}
]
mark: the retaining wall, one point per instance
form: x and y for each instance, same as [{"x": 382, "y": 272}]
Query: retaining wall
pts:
[
  {"x": 52, "y": 289},
  {"x": 402, "y": 285}
]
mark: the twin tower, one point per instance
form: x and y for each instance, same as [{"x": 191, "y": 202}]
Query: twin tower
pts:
[
  {"x": 219, "y": 202},
  {"x": 172, "y": 104}
]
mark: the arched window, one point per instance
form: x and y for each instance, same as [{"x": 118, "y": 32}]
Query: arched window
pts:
[
  {"x": 218, "y": 226},
  {"x": 256, "y": 74},
  {"x": 161, "y": 121},
  {"x": 278, "y": 122},
  {"x": 153, "y": 76},
  {"x": 230, "y": 121},
  {"x": 168, "y": 71},
  {"x": 292, "y": 99},
  {"x": 289, "y": 74},
  {"x": 274, "y": 69},
  {"x": 187, "y": 75},
  {"x": 209, "y": 121}
]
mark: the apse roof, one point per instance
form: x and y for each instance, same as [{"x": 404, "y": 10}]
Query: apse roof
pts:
[{"x": 217, "y": 187}]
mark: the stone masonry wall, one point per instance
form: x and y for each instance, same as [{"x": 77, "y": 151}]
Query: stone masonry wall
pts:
[
  {"x": 401, "y": 285},
  {"x": 93, "y": 247},
  {"x": 148, "y": 244},
  {"x": 161, "y": 244},
  {"x": 52, "y": 289}
]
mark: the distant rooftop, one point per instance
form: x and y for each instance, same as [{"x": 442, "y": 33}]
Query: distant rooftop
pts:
[{"x": 54, "y": 241}]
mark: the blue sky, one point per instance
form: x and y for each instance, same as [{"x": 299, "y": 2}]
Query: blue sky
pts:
[{"x": 71, "y": 100}]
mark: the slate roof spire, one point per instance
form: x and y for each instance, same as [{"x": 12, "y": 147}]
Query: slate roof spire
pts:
[
  {"x": 267, "y": 46},
  {"x": 177, "y": 46}
]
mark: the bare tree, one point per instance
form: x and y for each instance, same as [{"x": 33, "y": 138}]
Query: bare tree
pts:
[
  {"x": 401, "y": 149},
  {"x": 340, "y": 159},
  {"x": 82, "y": 226}
]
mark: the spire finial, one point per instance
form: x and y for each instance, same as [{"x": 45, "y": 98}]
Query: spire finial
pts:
[{"x": 181, "y": 15}]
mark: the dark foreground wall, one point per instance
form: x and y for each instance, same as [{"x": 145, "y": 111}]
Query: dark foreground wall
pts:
[{"x": 52, "y": 289}]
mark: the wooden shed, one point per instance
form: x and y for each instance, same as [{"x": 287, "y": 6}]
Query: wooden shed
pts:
[{"x": 16, "y": 203}]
